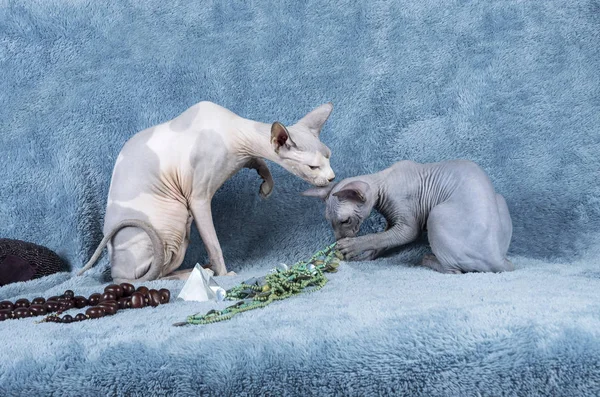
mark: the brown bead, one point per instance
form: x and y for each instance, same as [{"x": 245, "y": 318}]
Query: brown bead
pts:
[
  {"x": 67, "y": 319},
  {"x": 137, "y": 300},
  {"x": 5, "y": 314},
  {"x": 80, "y": 317},
  {"x": 38, "y": 310},
  {"x": 51, "y": 306},
  {"x": 38, "y": 301},
  {"x": 154, "y": 298},
  {"x": 143, "y": 290},
  {"x": 128, "y": 289},
  {"x": 22, "y": 303},
  {"x": 6, "y": 305},
  {"x": 69, "y": 294},
  {"x": 51, "y": 319},
  {"x": 52, "y": 298},
  {"x": 115, "y": 289},
  {"x": 114, "y": 304},
  {"x": 124, "y": 303},
  {"x": 66, "y": 305},
  {"x": 165, "y": 295},
  {"x": 95, "y": 312},
  {"x": 94, "y": 299},
  {"x": 80, "y": 302},
  {"x": 108, "y": 309},
  {"x": 108, "y": 296},
  {"x": 22, "y": 312}
]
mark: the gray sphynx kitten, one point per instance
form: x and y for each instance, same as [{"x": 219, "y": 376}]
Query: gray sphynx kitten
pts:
[
  {"x": 467, "y": 222},
  {"x": 166, "y": 176}
]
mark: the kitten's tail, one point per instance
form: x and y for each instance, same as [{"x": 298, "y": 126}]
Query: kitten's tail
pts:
[{"x": 157, "y": 246}]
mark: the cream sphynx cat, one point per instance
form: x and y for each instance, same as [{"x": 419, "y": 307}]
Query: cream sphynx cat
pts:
[
  {"x": 467, "y": 222},
  {"x": 166, "y": 176}
]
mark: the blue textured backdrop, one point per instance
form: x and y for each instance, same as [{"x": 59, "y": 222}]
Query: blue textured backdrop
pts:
[{"x": 512, "y": 85}]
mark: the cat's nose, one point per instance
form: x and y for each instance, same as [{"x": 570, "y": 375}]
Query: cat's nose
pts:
[{"x": 331, "y": 176}]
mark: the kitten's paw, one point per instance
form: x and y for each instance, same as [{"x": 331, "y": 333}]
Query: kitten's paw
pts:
[
  {"x": 209, "y": 269},
  {"x": 219, "y": 271},
  {"x": 353, "y": 250},
  {"x": 367, "y": 255},
  {"x": 224, "y": 272},
  {"x": 266, "y": 189}
]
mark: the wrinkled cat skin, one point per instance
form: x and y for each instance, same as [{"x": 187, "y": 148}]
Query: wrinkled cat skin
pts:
[
  {"x": 166, "y": 176},
  {"x": 467, "y": 222}
]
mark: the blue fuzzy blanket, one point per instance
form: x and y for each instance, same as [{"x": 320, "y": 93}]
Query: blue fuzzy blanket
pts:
[{"x": 511, "y": 85}]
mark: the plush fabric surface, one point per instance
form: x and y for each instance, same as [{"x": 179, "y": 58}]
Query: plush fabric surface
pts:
[
  {"x": 375, "y": 329},
  {"x": 511, "y": 85}
]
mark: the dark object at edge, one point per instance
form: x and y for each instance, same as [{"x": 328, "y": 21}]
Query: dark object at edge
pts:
[{"x": 22, "y": 261}]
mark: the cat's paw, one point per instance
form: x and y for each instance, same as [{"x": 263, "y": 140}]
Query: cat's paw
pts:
[
  {"x": 224, "y": 272},
  {"x": 368, "y": 255},
  {"x": 353, "y": 250},
  {"x": 266, "y": 189}
]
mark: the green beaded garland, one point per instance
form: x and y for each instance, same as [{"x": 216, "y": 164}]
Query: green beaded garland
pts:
[{"x": 278, "y": 285}]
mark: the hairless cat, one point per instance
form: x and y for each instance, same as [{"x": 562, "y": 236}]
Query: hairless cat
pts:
[
  {"x": 166, "y": 176},
  {"x": 467, "y": 222}
]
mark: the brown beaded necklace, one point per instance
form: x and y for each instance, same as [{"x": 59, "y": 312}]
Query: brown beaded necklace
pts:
[{"x": 114, "y": 298}]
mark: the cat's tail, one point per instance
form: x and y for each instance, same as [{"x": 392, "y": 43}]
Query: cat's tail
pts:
[{"x": 157, "y": 246}]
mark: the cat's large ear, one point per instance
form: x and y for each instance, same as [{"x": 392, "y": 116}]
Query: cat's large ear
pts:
[
  {"x": 320, "y": 192},
  {"x": 315, "y": 119},
  {"x": 354, "y": 191},
  {"x": 279, "y": 136}
]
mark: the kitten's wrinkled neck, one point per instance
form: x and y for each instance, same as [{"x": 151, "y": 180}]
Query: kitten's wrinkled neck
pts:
[{"x": 381, "y": 201}]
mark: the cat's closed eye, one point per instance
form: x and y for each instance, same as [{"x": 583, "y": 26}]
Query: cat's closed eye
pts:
[
  {"x": 314, "y": 167},
  {"x": 345, "y": 221}
]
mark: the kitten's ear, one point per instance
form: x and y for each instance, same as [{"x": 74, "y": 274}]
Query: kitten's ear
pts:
[
  {"x": 320, "y": 192},
  {"x": 279, "y": 136},
  {"x": 315, "y": 119},
  {"x": 354, "y": 191}
]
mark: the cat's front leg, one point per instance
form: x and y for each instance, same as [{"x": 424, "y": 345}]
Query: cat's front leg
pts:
[
  {"x": 266, "y": 188},
  {"x": 201, "y": 210},
  {"x": 369, "y": 247}
]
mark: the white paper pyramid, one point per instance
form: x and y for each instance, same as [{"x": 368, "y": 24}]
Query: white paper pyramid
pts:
[{"x": 201, "y": 286}]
